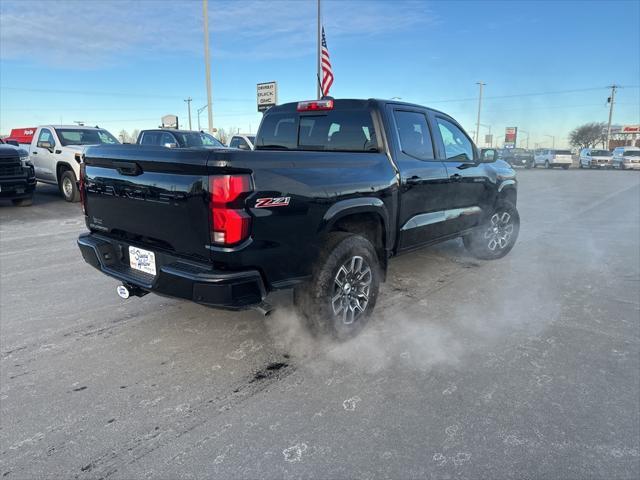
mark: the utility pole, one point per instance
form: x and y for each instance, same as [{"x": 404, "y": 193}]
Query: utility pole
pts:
[
  {"x": 200, "y": 110},
  {"x": 205, "y": 15},
  {"x": 553, "y": 140},
  {"x": 611, "y": 100},
  {"x": 479, "y": 108},
  {"x": 188, "y": 100},
  {"x": 524, "y": 131}
]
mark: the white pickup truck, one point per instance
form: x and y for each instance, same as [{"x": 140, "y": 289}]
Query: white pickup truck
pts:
[{"x": 56, "y": 153}]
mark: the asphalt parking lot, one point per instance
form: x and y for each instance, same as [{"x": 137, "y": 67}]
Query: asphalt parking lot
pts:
[{"x": 526, "y": 367}]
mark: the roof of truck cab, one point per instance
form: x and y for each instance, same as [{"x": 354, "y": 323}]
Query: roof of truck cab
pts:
[
  {"x": 171, "y": 130},
  {"x": 72, "y": 127},
  {"x": 354, "y": 103}
]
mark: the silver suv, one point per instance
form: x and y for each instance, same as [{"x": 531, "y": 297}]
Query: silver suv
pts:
[
  {"x": 626, "y": 157},
  {"x": 592, "y": 158}
]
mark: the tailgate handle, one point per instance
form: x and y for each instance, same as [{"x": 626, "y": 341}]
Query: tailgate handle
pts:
[{"x": 128, "y": 168}]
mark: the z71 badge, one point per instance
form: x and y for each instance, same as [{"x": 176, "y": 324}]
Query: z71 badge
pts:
[{"x": 272, "y": 202}]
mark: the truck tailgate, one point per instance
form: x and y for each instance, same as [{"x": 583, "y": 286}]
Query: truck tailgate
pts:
[{"x": 151, "y": 197}]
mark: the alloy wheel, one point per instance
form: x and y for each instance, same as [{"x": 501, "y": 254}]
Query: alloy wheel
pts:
[
  {"x": 500, "y": 231},
  {"x": 351, "y": 287}
]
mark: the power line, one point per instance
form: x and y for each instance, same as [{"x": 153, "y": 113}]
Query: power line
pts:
[
  {"x": 515, "y": 95},
  {"x": 113, "y": 94}
]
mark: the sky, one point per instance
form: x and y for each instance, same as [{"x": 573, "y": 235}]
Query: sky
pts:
[{"x": 122, "y": 64}]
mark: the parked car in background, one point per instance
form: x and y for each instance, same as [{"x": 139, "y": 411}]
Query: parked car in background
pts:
[
  {"x": 17, "y": 176},
  {"x": 242, "y": 141},
  {"x": 333, "y": 189},
  {"x": 56, "y": 153},
  {"x": 592, "y": 158},
  {"x": 626, "y": 158},
  {"x": 550, "y": 158},
  {"x": 172, "y": 138},
  {"x": 516, "y": 157}
]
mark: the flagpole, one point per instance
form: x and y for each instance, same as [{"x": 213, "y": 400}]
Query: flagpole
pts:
[{"x": 319, "y": 53}]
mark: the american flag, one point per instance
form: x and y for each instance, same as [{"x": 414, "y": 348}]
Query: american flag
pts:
[{"x": 327, "y": 73}]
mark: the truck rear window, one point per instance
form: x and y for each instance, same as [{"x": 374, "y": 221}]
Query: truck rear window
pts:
[{"x": 336, "y": 130}]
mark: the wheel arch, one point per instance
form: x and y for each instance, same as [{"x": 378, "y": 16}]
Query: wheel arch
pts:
[
  {"x": 507, "y": 191},
  {"x": 61, "y": 167},
  {"x": 363, "y": 216}
]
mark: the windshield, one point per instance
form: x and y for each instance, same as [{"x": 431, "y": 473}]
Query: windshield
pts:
[
  {"x": 84, "y": 136},
  {"x": 632, "y": 153},
  {"x": 197, "y": 139},
  {"x": 563, "y": 152},
  {"x": 600, "y": 153}
]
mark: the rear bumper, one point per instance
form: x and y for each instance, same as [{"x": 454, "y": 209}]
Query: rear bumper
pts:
[{"x": 175, "y": 277}]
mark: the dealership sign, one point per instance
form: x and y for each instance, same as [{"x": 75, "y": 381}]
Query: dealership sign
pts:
[
  {"x": 267, "y": 95},
  {"x": 510, "y": 137}
]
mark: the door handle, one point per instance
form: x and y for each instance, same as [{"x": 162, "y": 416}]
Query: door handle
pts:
[
  {"x": 127, "y": 168},
  {"x": 34, "y": 153},
  {"x": 415, "y": 180},
  {"x": 456, "y": 177}
]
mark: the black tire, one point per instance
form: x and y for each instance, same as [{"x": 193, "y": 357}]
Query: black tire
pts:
[
  {"x": 622, "y": 167},
  {"x": 23, "y": 202},
  {"x": 566, "y": 167},
  {"x": 547, "y": 164},
  {"x": 316, "y": 299},
  {"x": 69, "y": 187},
  {"x": 528, "y": 165},
  {"x": 580, "y": 164},
  {"x": 534, "y": 164},
  {"x": 479, "y": 242}
]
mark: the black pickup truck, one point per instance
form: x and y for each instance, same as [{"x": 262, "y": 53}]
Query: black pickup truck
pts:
[
  {"x": 333, "y": 190},
  {"x": 17, "y": 175}
]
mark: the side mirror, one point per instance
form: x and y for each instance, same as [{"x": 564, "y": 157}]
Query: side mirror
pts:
[
  {"x": 243, "y": 146},
  {"x": 488, "y": 155},
  {"x": 47, "y": 145},
  {"x": 170, "y": 145}
]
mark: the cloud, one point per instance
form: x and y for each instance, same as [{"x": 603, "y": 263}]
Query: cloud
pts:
[{"x": 83, "y": 34}]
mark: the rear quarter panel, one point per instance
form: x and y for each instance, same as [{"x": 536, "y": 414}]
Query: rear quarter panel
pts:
[{"x": 286, "y": 239}]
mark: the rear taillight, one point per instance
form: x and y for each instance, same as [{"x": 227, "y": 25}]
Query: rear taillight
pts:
[
  {"x": 230, "y": 223},
  {"x": 83, "y": 197}
]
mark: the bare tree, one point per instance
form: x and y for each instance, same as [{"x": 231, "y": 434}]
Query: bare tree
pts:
[
  {"x": 123, "y": 136},
  {"x": 588, "y": 135},
  {"x": 134, "y": 135}
]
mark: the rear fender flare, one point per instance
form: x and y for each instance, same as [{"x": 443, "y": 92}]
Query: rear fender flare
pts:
[{"x": 352, "y": 206}]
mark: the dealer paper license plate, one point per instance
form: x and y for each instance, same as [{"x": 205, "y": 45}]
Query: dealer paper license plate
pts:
[{"x": 142, "y": 260}]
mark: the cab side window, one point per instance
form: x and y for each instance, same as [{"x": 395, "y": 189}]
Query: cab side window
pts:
[
  {"x": 413, "y": 131},
  {"x": 46, "y": 136},
  {"x": 456, "y": 144},
  {"x": 150, "y": 138},
  {"x": 234, "y": 142},
  {"x": 167, "y": 138}
]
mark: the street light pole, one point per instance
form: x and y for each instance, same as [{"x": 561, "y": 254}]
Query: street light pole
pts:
[
  {"x": 188, "y": 101},
  {"x": 200, "y": 110},
  {"x": 479, "y": 108},
  {"x": 205, "y": 15},
  {"x": 553, "y": 140},
  {"x": 611, "y": 100}
]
